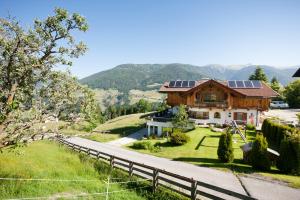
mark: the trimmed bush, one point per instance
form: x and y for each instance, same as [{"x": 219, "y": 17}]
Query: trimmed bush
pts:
[
  {"x": 289, "y": 159},
  {"x": 142, "y": 145},
  {"x": 250, "y": 127},
  {"x": 179, "y": 138},
  {"x": 225, "y": 150},
  {"x": 259, "y": 155}
]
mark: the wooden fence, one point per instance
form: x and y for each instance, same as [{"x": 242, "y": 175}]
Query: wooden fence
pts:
[{"x": 180, "y": 184}]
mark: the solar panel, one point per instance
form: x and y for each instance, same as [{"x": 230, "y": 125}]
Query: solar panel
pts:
[
  {"x": 256, "y": 84},
  {"x": 185, "y": 84},
  {"x": 232, "y": 84},
  {"x": 248, "y": 84},
  {"x": 240, "y": 84},
  {"x": 192, "y": 83},
  {"x": 172, "y": 84},
  {"x": 178, "y": 83}
]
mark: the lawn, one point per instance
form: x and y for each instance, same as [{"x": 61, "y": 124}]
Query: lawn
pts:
[
  {"x": 118, "y": 127},
  {"x": 48, "y": 160},
  {"x": 202, "y": 150}
]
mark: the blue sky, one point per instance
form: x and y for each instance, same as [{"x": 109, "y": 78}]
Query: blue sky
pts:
[{"x": 196, "y": 32}]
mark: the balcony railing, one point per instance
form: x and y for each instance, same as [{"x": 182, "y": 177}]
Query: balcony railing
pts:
[{"x": 216, "y": 104}]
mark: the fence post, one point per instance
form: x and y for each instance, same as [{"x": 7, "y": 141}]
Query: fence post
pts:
[
  {"x": 130, "y": 169},
  {"x": 193, "y": 189},
  {"x": 88, "y": 152},
  {"x": 111, "y": 161},
  {"x": 155, "y": 180},
  {"x": 98, "y": 155}
]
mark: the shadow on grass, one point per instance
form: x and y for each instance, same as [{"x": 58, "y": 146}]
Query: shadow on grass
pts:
[
  {"x": 126, "y": 130},
  {"x": 199, "y": 144}
]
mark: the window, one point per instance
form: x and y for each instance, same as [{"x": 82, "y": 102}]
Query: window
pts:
[
  {"x": 202, "y": 115},
  {"x": 240, "y": 116},
  {"x": 210, "y": 97},
  {"x": 217, "y": 115}
]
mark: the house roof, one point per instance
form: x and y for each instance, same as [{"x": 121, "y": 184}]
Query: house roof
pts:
[
  {"x": 297, "y": 73},
  {"x": 264, "y": 91}
]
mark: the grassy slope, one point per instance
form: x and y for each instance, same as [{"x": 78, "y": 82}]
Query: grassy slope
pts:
[
  {"x": 50, "y": 161},
  {"x": 118, "y": 127},
  {"x": 202, "y": 151}
]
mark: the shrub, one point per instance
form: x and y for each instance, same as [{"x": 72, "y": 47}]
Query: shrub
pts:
[
  {"x": 225, "y": 150},
  {"x": 259, "y": 155},
  {"x": 250, "y": 127},
  {"x": 289, "y": 159},
  {"x": 275, "y": 132},
  {"x": 179, "y": 138},
  {"x": 142, "y": 145}
]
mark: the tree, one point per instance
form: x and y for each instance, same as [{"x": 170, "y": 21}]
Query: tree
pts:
[
  {"x": 259, "y": 154},
  {"x": 225, "y": 149},
  {"x": 181, "y": 118},
  {"x": 259, "y": 74},
  {"x": 26, "y": 61},
  {"x": 275, "y": 85},
  {"x": 292, "y": 94}
]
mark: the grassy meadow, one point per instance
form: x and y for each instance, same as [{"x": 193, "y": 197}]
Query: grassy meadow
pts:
[
  {"x": 49, "y": 160},
  {"x": 202, "y": 149},
  {"x": 118, "y": 127}
]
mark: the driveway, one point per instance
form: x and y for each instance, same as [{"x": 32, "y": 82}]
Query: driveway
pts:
[
  {"x": 129, "y": 139},
  {"x": 284, "y": 114},
  {"x": 259, "y": 189}
]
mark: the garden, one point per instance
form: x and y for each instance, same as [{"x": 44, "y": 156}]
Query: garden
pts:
[{"x": 204, "y": 147}]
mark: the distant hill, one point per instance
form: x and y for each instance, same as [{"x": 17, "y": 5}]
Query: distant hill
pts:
[{"x": 149, "y": 76}]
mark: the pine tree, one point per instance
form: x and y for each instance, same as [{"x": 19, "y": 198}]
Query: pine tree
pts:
[
  {"x": 275, "y": 85},
  {"x": 259, "y": 74}
]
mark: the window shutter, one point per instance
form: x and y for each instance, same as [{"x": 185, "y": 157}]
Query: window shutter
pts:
[
  {"x": 244, "y": 116},
  {"x": 235, "y": 116}
]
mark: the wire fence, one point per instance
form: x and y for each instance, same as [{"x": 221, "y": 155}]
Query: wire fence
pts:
[{"x": 109, "y": 181}]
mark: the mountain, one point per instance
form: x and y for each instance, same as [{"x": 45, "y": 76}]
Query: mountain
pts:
[{"x": 149, "y": 76}]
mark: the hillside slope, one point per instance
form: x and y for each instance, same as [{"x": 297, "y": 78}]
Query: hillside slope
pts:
[{"x": 149, "y": 76}]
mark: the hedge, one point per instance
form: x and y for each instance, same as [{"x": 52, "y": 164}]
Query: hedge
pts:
[
  {"x": 289, "y": 159},
  {"x": 179, "y": 138},
  {"x": 275, "y": 132}
]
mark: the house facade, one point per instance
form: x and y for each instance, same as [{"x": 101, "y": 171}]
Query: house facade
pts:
[{"x": 217, "y": 102}]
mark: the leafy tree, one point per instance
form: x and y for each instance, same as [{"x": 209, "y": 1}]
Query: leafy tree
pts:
[
  {"x": 275, "y": 85},
  {"x": 259, "y": 154},
  {"x": 259, "y": 74},
  {"x": 181, "y": 118},
  {"x": 225, "y": 149},
  {"x": 292, "y": 94},
  {"x": 27, "y": 57}
]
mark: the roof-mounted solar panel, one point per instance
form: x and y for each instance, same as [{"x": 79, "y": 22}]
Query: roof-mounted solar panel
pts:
[
  {"x": 192, "y": 83},
  {"x": 172, "y": 83},
  {"x": 178, "y": 83},
  {"x": 248, "y": 84},
  {"x": 232, "y": 84},
  {"x": 256, "y": 84},
  {"x": 185, "y": 84},
  {"x": 240, "y": 84}
]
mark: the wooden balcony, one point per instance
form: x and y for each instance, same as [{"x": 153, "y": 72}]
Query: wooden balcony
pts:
[{"x": 212, "y": 104}]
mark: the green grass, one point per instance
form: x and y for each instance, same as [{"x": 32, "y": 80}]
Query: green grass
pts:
[
  {"x": 202, "y": 149},
  {"x": 48, "y": 160},
  {"x": 118, "y": 127}
]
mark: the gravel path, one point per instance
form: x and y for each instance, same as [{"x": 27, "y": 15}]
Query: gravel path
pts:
[{"x": 259, "y": 189}]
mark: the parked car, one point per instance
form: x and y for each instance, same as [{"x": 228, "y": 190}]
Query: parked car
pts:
[{"x": 279, "y": 104}]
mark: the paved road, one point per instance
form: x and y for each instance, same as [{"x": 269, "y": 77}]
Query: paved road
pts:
[
  {"x": 129, "y": 139},
  {"x": 259, "y": 189}
]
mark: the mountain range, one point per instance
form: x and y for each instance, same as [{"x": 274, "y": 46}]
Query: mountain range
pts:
[{"x": 150, "y": 76}]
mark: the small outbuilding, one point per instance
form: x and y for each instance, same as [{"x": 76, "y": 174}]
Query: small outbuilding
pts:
[{"x": 297, "y": 73}]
